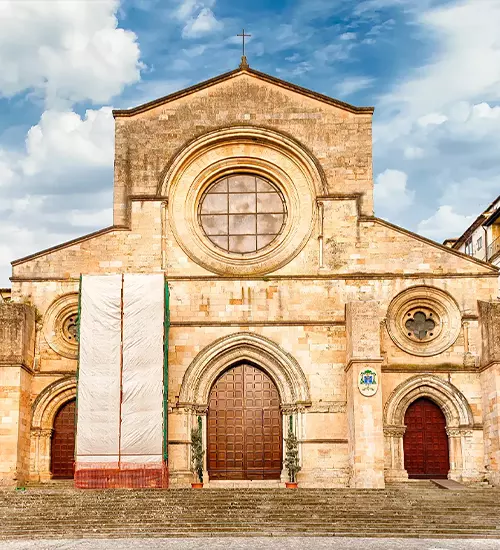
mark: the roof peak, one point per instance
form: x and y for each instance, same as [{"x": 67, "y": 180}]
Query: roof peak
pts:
[{"x": 244, "y": 63}]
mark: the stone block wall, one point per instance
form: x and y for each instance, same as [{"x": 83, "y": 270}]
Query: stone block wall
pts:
[
  {"x": 490, "y": 381},
  {"x": 17, "y": 347}
]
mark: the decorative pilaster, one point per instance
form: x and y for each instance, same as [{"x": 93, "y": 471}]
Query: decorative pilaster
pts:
[
  {"x": 364, "y": 403},
  {"x": 489, "y": 317}
]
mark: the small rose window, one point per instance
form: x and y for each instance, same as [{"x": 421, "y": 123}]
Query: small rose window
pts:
[
  {"x": 421, "y": 324},
  {"x": 70, "y": 328},
  {"x": 242, "y": 213}
]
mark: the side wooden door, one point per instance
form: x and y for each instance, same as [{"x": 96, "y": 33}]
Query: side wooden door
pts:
[
  {"x": 63, "y": 442},
  {"x": 425, "y": 442}
]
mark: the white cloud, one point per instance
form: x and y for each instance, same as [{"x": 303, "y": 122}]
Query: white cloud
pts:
[
  {"x": 432, "y": 119},
  {"x": 204, "y": 23},
  {"x": 353, "y": 84},
  {"x": 63, "y": 140},
  {"x": 59, "y": 187},
  {"x": 413, "y": 152},
  {"x": 465, "y": 67},
  {"x": 445, "y": 223},
  {"x": 189, "y": 7},
  {"x": 448, "y": 110},
  {"x": 391, "y": 193},
  {"x": 348, "y": 36},
  {"x": 65, "y": 50}
]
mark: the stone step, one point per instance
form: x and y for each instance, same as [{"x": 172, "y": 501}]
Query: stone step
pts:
[{"x": 399, "y": 512}]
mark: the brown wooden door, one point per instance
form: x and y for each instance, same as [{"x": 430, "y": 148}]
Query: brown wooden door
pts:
[
  {"x": 244, "y": 426},
  {"x": 63, "y": 442},
  {"x": 425, "y": 441}
]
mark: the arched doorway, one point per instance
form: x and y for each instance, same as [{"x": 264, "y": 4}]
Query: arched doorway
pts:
[
  {"x": 63, "y": 442},
  {"x": 425, "y": 442},
  {"x": 244, "y": 426}
]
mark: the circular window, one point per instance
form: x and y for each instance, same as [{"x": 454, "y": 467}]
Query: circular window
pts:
[
  {"x": 70, "y": 327},
  {"x": 60, "y": 326},
  {"x": 423, "y": 320},
  {"x": 242, "y": 213},
  {"x": 423, "y": 324}
]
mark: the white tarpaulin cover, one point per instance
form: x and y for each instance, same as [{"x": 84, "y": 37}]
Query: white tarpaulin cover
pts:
[
  {"x": 142, "y": 371},
  {"x": 99, "y": 369}
]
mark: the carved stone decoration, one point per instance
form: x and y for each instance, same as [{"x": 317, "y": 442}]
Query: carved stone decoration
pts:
[
  {"x": 423, "y": 320},
  {"x": 282, "y": 368},
  {"x": 289, "y": 169},
  {"x": 60, "y": 326}
]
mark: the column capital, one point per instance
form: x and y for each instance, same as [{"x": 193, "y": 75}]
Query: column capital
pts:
[{"x": 394, "y": 431}]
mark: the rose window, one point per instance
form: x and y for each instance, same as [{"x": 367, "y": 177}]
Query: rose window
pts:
[
  {"x": 421, "y": 324},
  {"x": 70, "y": 328},
  {"x": 242, "y": 213}
]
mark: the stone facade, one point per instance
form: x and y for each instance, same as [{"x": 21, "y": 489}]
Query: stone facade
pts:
[{"x": 330, "y": 296}]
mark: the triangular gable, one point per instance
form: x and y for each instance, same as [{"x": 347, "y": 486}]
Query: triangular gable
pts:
[{"x": 242, "y": 70}]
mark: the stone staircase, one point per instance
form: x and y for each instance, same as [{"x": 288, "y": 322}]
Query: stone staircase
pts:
[{"x": 402, "y": 510}]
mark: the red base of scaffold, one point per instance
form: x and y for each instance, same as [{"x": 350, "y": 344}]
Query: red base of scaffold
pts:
[{"x": 136, "y": 476}]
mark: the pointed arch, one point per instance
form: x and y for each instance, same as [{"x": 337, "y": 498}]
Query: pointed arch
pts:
[
  {"x": 207, "y": 366},
  {"x": 449, "y": 398}
]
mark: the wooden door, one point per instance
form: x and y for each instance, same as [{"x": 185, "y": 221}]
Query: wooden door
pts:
[
  {"x": 425, "y": 442},
  {"x": 244, "y": 426},
  {"x": 63, "y": 442}
]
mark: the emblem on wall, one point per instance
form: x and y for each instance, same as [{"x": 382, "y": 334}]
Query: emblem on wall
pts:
[{"x": 368, "y": 382}]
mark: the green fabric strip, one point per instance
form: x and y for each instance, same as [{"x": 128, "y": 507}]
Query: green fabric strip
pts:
[{"x": 165, "y": 372}]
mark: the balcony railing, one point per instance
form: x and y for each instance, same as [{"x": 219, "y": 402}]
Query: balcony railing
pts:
[{"x": 493, "y": 249}]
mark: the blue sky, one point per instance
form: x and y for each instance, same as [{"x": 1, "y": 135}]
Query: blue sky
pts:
[{"x": 430, "y": 68}]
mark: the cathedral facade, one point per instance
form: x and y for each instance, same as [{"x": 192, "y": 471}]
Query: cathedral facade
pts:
[{"x": 290, "y": 303}]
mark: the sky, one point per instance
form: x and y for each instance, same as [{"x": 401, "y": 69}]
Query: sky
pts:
[{"x": 431, "y": 69}]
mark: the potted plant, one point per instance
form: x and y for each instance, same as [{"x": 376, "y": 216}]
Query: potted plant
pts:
[
  {"x": 197, "y": 454},
  {"x": 292, "y": 459}
]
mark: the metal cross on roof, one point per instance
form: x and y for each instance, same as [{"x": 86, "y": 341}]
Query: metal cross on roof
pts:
[{"x": 243, "y": 36}]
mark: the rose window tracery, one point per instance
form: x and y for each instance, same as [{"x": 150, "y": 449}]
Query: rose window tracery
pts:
[
  {"x": 70, "y": 328},
  {"x": 420, "y": 324}
]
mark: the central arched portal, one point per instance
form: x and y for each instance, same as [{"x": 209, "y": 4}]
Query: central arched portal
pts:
[{"x": 244, "y": 426}]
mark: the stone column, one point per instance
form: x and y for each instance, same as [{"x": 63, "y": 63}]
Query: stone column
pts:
[
  {"x": 17, "y": 346},
  {"x": 394, "y": 463},
  {"x": 364, "y": 413},
  {"x": 40, "y": 454},
  {"x": 455, "y": 453},
  {"x": 489, "y": 318}
]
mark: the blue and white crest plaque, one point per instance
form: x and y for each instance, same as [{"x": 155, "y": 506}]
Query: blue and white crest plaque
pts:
[{"x": 368, "y": 382}]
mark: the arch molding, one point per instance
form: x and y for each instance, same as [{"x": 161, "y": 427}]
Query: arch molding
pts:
[
  {"x": 451, "y": 400},
  {"x": 212, "y": 361}
]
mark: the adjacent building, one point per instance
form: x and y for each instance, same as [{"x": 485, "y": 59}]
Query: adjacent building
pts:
[{"x": 481, "y": 239}]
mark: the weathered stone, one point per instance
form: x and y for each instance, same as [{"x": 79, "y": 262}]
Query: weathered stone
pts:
[{"x": 284, "y": 306}]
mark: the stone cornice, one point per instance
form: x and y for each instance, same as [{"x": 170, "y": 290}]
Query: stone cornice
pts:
[
  {"x": 271, "y": 278},
  {"x": 67, "y": 244},
  {"x": 368, "y": 360},
  {"x": 493, "y": 363},
  {"x": 441, "y": 247},
  {"x": 14, "y": 365}
]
